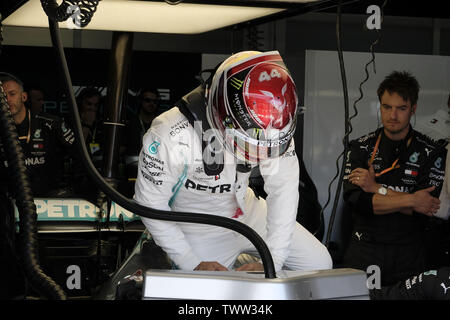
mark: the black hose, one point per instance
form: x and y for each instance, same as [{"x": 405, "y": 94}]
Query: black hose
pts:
[
  {"x": 132, "y": 206},
  {"x": 347, "y": 123},
  {"x": 42, "y": 283},
  {"x": 57, "y": 12}
]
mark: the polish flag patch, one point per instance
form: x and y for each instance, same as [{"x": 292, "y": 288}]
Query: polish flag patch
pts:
[{"x": 411, "y": 172}]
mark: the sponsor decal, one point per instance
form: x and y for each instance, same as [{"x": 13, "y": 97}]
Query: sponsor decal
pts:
[
  {"x": 438, "y": 163},
  {"x": 365, "y": 138},
  {"x": 437, "y": 177},
  {"x": 153, "y": 148},
  {"x": 199, "y": 169},
  {"x": 37, "y": 133},
  {"x": 156, "y": 174},
  {"x": 151, "y": 179},
  {"x": 411, "y": 172},
  {"x": 153, "y": 163},
  {"x": 206, "y": 178},
  {"x": 180, "y": 126},
  {"x": 154, "y": 159},
  {"x": 75, "y": 210},
  {"x": 63, "y": 127},
  {"x": 68, "y": 134},
  {"x": 236, "y": 83},
  {"x": 240, "y": 110},
  {"x": 348, "y": 155},
  {"x": 445, "y": 288},
  {"x": 255, "y": 116},
  {"x": 94, "y": 147},
  {"x": 442, "y": 172},
  {"x": 220, "y": 188},
  {"x": 289, "y": 154},
  {"x": 435, "y": 183},
  {"x": 399, "y": 189},
  {"x": 430, "y": 273},
  {"x": 408, "y": 284},
  {"x": 34, "y": 161},
  {"x": 408, "y": 181},
  {"x": 414, "y": 157},
  {"x": 426, "y": 143},
  {"x": 413, "y": 164}
]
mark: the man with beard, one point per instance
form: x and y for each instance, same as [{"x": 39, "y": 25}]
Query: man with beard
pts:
[
  {"x": 43, "y": 137},
  {"x": 393, "y": 179}
]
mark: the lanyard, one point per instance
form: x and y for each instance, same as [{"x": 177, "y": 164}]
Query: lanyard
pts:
[
  {"x": 29, "y": 129},
  {"x": 394, "y": 165}
]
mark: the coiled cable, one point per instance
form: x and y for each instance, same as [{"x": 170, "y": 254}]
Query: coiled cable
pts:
[
  {"x": 81, "y": 10},
  {"x": 42, "y": 283}
]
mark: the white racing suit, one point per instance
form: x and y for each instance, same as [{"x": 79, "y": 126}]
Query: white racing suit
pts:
[{"x": 171, "y": 177}]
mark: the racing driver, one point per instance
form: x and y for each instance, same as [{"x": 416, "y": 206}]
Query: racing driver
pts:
[
  {"x": 198, "y": 156},
  {"x": 44, "y": 139}
]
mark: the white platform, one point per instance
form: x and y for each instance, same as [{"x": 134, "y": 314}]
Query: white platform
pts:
[{"x": 348, "y": 284}]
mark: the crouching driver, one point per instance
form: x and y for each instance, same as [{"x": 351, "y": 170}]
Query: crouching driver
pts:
[{"x": 197, "y": 157}]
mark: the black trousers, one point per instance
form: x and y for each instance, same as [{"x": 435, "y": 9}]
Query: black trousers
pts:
[
  {"x": 429, "y": 285},
  {"x": 397, "y": 262}
]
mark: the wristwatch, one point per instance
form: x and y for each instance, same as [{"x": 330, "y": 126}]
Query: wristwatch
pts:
[{"x": 383, "y": 191}]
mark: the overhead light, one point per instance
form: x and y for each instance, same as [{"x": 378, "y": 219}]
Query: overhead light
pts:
[{"x": 148, "y": 16}]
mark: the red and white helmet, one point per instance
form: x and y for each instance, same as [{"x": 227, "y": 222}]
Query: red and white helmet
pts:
[{"x": 252, "y": 103}]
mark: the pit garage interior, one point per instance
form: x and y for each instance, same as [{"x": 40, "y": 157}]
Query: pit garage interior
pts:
[{"x": 84, "y": 244}]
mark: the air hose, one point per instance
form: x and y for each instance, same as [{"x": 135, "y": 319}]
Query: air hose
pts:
[
  {"x": 347, "y": 123},
  {"x": 126, "y": 203},
  {"x": 25, "y": 205}
]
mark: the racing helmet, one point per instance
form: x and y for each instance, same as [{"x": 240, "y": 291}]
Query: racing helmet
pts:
[{"x": 252, "y": 105}]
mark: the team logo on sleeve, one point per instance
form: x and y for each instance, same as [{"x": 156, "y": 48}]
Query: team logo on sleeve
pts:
[
  {"x": 37, "y": 133},
  {"x": 153, "y": 148},
  {"x": 414, "y": 157},
  {"x": 63, "y": 127},
  {"x": 438, "y": 163}
]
